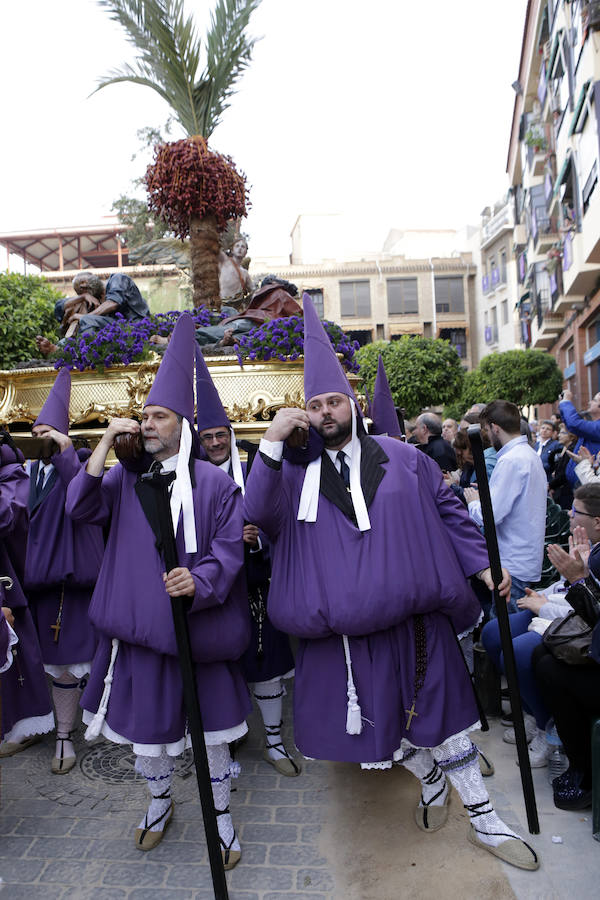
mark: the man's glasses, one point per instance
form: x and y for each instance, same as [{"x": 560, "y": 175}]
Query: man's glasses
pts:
[
  {"x": 580, "y": 512},
  {"x": 219, "y": 436}
]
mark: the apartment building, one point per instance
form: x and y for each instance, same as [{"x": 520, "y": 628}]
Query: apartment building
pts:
[
  {"x": 382, "y": 295},
  {"x": 498, "y": 324},
  {"x": 553, "y": 171}
]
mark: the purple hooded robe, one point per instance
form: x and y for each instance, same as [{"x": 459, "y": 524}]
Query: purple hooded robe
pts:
[
  {"x": 26, "y": 706},
  {"x": 63, "y": 559},
  {"x": 329, "y": 579},
  {"x": 130, "y": 603}
]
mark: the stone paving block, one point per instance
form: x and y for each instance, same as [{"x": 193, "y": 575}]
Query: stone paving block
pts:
[
  {"x": 8, "y": 824},
  {"x": 35, "y": 808},
  {"x": 52, "y": 827},
  {"x": 122, "y": 850},
  {"x": 274, "y": 798},
  {"x": 100, "y": 829},
  {"x": 294, "y": 855},
  {"x": 314, "y": 797},
  {"x": 141, "y": 874},
  {"x": 58, "y": 848},
  {"x": 314, "y": 880},
  {"x": 93, "y": 892},
  {"x": 259, "y": 878},
  {"x": 34, "y": 891},
  {"x": 310, "y": 833},
  {"x": 250, "y": 814},
  {"x": 296, "y": 896},
  {"x": 196, "y": 877},
  {"x": 20, "y": 870},
  {"x": 269, "y": 834},
  {"x": 261, "y": 782},
  {"x": 70, "y": 871},
  {"x": 14, "y": 846},
  {"x": 161, "y": 894},
  {"x": 302, "y": 815},
  {"x": 253, "y": 854},
  {"x": 169, "y": 851}
]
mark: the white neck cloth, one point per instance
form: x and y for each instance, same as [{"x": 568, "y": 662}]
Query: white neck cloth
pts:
[
  {"x": 181, "y": 494},
  {"x": 236, "y": 465},
  {"x": 308, "y": 507}
]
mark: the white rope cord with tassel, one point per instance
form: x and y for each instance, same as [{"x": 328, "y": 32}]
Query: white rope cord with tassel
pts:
[
  {"x": 354, "y": 715},
  {"x": 95, "y": 726}
]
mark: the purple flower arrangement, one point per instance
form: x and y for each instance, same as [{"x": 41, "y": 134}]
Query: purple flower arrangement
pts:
[
  {"x": 122, "y": 341},
  {"x": 284, "y": 339}
]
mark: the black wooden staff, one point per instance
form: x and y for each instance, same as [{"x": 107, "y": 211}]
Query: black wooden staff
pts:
[
  {"x": 510, "y": 668},
  {"x": 190, "y": 694}
]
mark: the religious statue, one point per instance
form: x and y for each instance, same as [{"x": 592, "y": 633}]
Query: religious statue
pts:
[{"x": 234, "y": 279}]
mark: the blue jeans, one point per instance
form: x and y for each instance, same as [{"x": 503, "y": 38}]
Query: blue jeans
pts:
[
  {"x": 517, "y": 590},
  {"x": 524, "y": 643}
]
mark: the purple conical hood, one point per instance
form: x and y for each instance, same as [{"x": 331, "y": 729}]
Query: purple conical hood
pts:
[
  {"x": 55, "y": 411},
  {"x": 173, "y": 385},
  {"x": 323, "y": 373},
  {"x": 210, "y": 412},
  {"x": 383, "y": 411}
]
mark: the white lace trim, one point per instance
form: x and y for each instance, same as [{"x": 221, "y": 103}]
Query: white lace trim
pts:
[
  {"x": 77, "y": 670},
  {"x": 472, "y": 628},
  {"x": 177, "y": 747},
  {"x": 25, "y": 728},
  {"x": 12, "y": 640},
  {"x": 406, "y": 744}
]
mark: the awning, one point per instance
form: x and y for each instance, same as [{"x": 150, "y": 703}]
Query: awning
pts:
[
  {"x": 579, "y": 107},
  {"x": 523, "y": 298},
  {"x": 561, "y": 175}
]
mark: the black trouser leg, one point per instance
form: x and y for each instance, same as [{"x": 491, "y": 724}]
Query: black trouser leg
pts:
[{"x": 572, "y": 694}]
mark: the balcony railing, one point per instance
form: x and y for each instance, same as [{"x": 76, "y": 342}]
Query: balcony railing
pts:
[
  {"x": 485, "y": 284},
  {"x": 493, "y": 227},
  {"x": 490, "y": 333}
]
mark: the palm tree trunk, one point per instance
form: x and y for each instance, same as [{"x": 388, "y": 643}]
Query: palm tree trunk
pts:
[{"x": 204, "y": 259}]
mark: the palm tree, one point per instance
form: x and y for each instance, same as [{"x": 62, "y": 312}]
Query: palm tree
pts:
[{"x": 195, "y": 190}]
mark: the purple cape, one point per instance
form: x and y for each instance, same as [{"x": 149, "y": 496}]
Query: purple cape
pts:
[
  {"x": 330, "y": 579},
  {"x": 63, "y": 559},
  {"x": 24, "y": 688},
  {"x": 129, "y": 601}
]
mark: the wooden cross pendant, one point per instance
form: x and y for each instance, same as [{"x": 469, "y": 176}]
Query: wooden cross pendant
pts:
[
  {"x": 410, "y": 713},
  {"x": 55, "y": 628}
]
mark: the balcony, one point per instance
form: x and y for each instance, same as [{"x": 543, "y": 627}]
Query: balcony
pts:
[
  {"x": 498, "y": 225},
  {"x": 548, "y": 332},
  {"x": 490, "y": 334},
  {"x": 544, "y": 231},
  {"x": 579, "y": 277}
]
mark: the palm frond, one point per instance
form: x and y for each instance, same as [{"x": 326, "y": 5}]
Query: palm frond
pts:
[{"x": 169, "y": 56}]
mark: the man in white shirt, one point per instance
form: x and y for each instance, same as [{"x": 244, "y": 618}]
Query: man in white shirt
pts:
[{"x": 518, "y": 489}]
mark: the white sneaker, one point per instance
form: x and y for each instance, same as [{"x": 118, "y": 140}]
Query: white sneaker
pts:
[
  {"x": 530, "y": 731},
  {"x": 538, "y": 750}
]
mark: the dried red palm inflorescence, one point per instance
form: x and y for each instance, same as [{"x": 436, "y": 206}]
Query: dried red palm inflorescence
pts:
[{"x": 187, "y": 180}]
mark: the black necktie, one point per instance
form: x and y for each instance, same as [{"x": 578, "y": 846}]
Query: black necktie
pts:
[
  {"x": 39, "y": 485},
  {"x": 344, "y": 470},
  {"x": 156, "y": 467}
]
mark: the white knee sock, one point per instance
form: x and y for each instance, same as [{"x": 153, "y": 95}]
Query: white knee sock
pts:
[
  {"x": 65, "y": 693},
  {"x": 458, "y": 758},
  {"x": 269, "y": 699},
  {"x": 421, "y": 763},
  {"x": 220, "y": 765},
  {"x": 158, "y": 772}
]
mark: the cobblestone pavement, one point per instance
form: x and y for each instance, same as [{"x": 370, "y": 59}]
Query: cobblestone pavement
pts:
[
  {"x": 331, "y": 833},
  {"x": 72, "y": 835}
]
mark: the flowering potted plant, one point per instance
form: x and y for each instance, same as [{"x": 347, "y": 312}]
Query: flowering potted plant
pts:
[
  {"x": 553, "y": 257},
  {"x": 284, "y": 339},
  {"x": 535, "y": 138}
]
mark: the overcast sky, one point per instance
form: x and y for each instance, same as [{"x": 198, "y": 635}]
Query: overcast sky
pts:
[{"x": 398, "y": 111}]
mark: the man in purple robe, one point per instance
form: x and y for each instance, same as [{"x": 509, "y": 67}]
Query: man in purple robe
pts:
[
  {"x": 62, "y": 564},
  {"x": 268, "y": 659},
  {"x": 135, "y": 692},
  {"x": 26, "y": 708},
  {"x": 371, "y": 555}
]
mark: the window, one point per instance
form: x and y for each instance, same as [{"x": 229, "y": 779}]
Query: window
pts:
[
  {"x": 402, "y": 296},
  {"x": 449, "y": 295},
  {"x": 355, "y": 298},
  {"x": 457, "y": 338},
  {"x": 316, "y": 295},
  {"x": 363, "y": 337},
  {"x": 503, "y": 266},
  {"x": 504, "y": 311}
]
